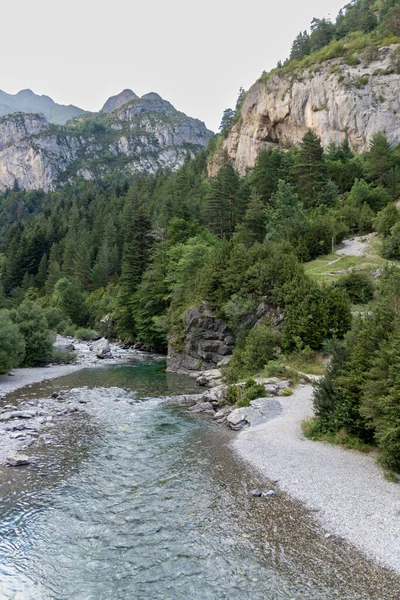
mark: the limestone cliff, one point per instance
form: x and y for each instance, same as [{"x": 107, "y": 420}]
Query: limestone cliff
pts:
[
  {"x": 130, "y": 135},
  {"x": 333, "y": 99}
]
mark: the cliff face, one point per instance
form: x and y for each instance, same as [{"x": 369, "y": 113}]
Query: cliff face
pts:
[
  {"x": 332, "y": 98},
  {"x": 141, "y": 134}
]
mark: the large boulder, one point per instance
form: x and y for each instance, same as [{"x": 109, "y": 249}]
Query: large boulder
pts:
[{"x": 101, "y": 348}]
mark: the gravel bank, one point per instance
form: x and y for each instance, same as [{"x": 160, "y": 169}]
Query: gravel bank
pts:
[{"x": 347, "y": 489}]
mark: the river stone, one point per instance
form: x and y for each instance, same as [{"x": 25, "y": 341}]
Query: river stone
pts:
[
  {"x": 101, "y": 348},
  {"x": 202, "y": 408},
  {"x": 18, "y": 460},
  {"x": 23, "y": 414}
]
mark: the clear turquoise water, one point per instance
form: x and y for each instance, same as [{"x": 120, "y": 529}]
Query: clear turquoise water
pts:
[{"x": 139, "y": 501}]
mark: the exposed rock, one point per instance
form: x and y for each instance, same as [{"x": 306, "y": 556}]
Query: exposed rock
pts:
[
  {"x": 333, "y": 99},
  {"x": 202, "y": 408},
  {"x": 259, "y": 411},
  {"x": 18, "y": 460},
  {"x": 119, "y": 100},
  {"x": 207, "y": 342},
  {"x": 101, "y": 348}
]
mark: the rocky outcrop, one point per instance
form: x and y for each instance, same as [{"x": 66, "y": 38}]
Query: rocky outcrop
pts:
[
  {"x": 115, "y": 102},
  {"x": 208, "y": 341},
  {"x": 333, "y": 99},
  {"x": 131, "y": 135}
]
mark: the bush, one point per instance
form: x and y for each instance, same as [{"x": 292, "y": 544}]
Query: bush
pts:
[
  {"x": 33, "y": 325},
  {"x": 391, "y": 245},
  {"x": 86, "y": 334},
  {"x": 12, "y": 346},
  {"x": 359, "y": 287},
  {"x": 241, "y": 396},
  {"x": 63, "y": 357},
  {"x": 287, "y": 392},
  {"x": 252, "y": 353},
  {"x": 386, "y": 219},
  {"x": 56, "y": 319}
]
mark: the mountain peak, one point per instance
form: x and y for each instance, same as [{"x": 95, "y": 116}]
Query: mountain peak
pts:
[
  {"x": 151, "y": 96},
  {"x": 118, "y": 100}
]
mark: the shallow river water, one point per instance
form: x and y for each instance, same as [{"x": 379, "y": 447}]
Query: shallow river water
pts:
[{"x": 136, "y": 500}]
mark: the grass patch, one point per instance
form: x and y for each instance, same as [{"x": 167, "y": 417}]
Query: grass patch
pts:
[
  {"x": 309, "y": 362},
  {"x": 312, "y": 431}
]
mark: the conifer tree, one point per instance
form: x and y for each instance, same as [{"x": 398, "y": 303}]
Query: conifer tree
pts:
[{"x": 310, "y": 170}]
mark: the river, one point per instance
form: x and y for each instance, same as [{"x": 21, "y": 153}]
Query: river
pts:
[{"x": 136, "y": 500}]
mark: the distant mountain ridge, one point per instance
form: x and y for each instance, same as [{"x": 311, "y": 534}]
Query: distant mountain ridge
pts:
[
  {"x": 27, "y": 101},
  {"x": 129, "y": 135}
]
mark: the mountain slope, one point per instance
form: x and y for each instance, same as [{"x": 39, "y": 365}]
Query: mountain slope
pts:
[
  {"x": 141, "y": 134},
  {"x": 28, "y": 102}
]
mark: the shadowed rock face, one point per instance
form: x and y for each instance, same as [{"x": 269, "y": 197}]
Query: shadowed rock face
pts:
[
  {"x": 333, "y": 99},
  {"x": 208, "y": 341},
  {"x": 140, "y": 134}
]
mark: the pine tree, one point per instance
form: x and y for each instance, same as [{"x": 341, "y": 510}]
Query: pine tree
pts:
[
  {"x": 379, "y": 159},
  {"x": 310, "y": 170}
]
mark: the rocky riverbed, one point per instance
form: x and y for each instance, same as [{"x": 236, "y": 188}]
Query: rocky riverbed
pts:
[{"x": 31, "y": 423}]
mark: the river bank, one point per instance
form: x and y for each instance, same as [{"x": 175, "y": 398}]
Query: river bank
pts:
[
  {"x": 346, "y": 490},
  {"x": 25, "y": 423}
]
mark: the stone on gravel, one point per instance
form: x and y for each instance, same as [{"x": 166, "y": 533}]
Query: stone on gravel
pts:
[
  {"x": 256, "y": 493},
  {"x": 18, "y": 460},
  {"x": 101, "y": 348},
  {"x": 268, "y": 494}
]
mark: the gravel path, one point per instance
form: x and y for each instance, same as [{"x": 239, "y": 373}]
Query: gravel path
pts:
[
  {"x": 356, "y": 246},
  {"x": 347, "y": 488}
]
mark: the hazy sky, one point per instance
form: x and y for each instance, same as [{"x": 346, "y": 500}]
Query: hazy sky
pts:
[{"x": 195, "y": 54}]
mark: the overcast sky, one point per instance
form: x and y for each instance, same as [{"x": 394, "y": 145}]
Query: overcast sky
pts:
[{"x": 195, "y": 54}]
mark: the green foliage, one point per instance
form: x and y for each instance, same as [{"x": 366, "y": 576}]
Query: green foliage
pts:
[
  {"x": 242, "y": 395},
  {"x": 358, "y": 285},
  {"x": 63, "y": 357},
  {"x": 252, "y": 354},
  {"x": 68, "y": 298},
  {"x": 12, "y": 348},
  {"x": 85, "y": 334},
  {"x": 32, "y": 324},
  {"x": 391, "y": 244}
]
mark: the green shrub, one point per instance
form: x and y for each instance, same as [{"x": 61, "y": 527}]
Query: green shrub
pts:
[
  {"x": 358, "y": 286},
  {"x": 391, "y": 245},
  {"x": 253, "y": 352},
  {"x": 56, "y": 319},
  {"x": 86, "y": 334},
  {"x": 69, "y": 330},
  {"x": 287, "y": 392},
  {"x": 241, "y": 396},
  {"x": 33, "y": 325},
  {"x": 12, "y": 346},
  {"x": 63, "y": 357}
]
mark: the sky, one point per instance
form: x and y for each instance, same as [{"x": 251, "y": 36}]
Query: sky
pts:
[{"x": 194, "y": 54}]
